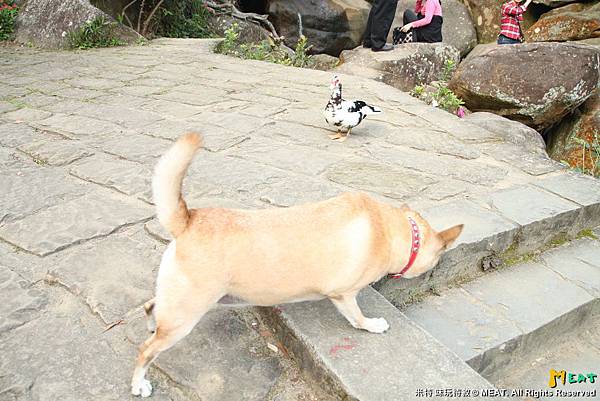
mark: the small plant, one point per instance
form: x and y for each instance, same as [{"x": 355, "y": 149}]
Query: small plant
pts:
[
  {"x": 439, "y": 95},
  {"x": 95, "y": 33},
  {"x": 448, "y": 70},
  {"x": 418, "y": 91},
  {"x": 301, "y": 58},
  {"x": 183, "y": 19},
  {"x": 8, "y": 14},
  {"x": 270, "y": 50}
]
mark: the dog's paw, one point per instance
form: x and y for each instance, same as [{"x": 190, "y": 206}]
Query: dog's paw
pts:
[
  {"x": 376, "y": 325},
  {"x": 143, "y": 388}
]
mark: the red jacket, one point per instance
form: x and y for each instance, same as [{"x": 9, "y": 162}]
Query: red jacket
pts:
[{"x": 509, "y": 23}]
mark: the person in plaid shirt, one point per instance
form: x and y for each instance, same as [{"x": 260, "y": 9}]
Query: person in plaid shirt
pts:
[{"x": 510, "y": 27}]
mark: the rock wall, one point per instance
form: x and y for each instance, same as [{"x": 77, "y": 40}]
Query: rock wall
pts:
[
  {"x": 45, "y": 23},
  {"x": 330, "y": 25},
  {"x": 536, "y": 84},
  {"x": 404, "y": 67}
]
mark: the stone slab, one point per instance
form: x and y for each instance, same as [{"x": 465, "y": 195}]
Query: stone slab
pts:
[
  {"x": 13, "y": 135},
  {"x": 28, "y": 188},
  {"x": 96, "y": 214},
  {"x": 578, "y": 188},
  {"x": 295, "y": 158},
  {"x": 381, "y": 178},
  {"x": 55, "y": 152},
  {"x": 366, "y": 366},
  {"x": 542, "y": 215},
  {"x": 125, "y": 176},
  {"x": 462, "y": 323},
  {"x": 84, "y": 362},
  {"x": 501, "y": 317},
  {"x": 19, "y": 304},
  {"x": 90, "y": 271},
  {"x": 78, "y": 125},
  {"x": 528, "y": 305},
  {"x": 223, "y": 359},
  {"x": 26, "y": 114},
  {"x": 578, "y": 262}
]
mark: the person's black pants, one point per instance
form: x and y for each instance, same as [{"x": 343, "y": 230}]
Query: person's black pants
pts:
[
  {"x": 380, "y": 21},
  {"x": 409, "y": 16}
]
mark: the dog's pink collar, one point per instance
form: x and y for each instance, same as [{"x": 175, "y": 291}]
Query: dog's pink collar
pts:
[{"x": 414, "y": 249}]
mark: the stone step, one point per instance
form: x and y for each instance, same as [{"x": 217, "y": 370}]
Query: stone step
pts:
[
  {"x": 504, "y": 322},
  {"x": 502, "y": 227},
  {"x": 357, "y": 365}
]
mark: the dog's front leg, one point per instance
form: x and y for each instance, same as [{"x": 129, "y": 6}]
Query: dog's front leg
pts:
[{"x": 348, "y": 307}]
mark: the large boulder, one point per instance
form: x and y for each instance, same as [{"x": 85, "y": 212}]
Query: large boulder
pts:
[
  {"x": 458, "y": 29},
  {"x": 535, "y": 83},
  {"x": 45, "y": 23},
  {"x": 572, "y": 22},
  {"x": 330, "y": 25},
  {"x": 582, "y": 125},
  {"x": 554, "y": 3},
  {"x": 404, "y": 67}
]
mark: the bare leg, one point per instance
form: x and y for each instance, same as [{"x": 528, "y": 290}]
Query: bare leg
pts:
[{"x": 348, "y": 307}]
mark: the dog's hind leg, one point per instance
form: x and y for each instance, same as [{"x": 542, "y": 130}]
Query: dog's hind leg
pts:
[
  {"x": 148, "y": 311},
  {"x": 176, "y": 315}
]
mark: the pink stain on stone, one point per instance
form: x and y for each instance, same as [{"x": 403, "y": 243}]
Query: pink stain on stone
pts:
[{"x": 347, "y": 345}]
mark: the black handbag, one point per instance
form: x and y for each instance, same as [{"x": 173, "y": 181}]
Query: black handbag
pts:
[{"x": 399, "y": 37}]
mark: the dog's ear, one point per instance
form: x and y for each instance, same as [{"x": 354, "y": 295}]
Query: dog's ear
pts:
[{"x": 450, "y": 235}]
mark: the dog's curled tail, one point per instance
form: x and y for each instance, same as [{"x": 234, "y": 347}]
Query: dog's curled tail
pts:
[{"x": 171, "y": 209}]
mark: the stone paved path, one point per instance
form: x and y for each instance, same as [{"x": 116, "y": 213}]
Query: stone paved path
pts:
[{"x": 79, "y": 135}]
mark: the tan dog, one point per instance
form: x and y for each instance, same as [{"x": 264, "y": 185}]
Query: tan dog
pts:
[{"x": 330, "y": 249}]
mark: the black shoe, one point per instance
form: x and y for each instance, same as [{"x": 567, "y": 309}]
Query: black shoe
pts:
[
  {"x": 385, "y": 48},
  {"x": 367, "y": 45}
]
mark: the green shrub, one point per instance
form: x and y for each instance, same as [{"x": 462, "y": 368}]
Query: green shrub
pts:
[
  {"x": 448, "y": 70},
  {"x": 183, "y": 19},
  {"x": 438, "y": 94},
  {"x": 95, "y": 33},
  {"x": 8, "y": 14},
  {"x": 266, "y": 50}
]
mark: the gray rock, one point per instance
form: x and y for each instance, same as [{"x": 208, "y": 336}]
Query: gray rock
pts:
[
  {"x": 512, "y": 131},
  {"x": 330, "y": 26},
  {"x": 404, "y": 67},
  {"x": 46, "y": 23},
  {"x": 324, "y": 62},
  {"x": 572, "y": 22},
  {"x": 488, "y": 82}
]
